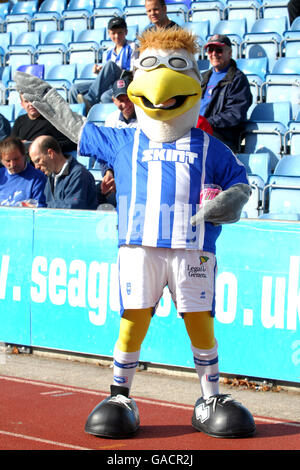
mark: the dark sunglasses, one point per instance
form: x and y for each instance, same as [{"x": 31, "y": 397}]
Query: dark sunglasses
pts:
[{"x": 218, "y": 50}]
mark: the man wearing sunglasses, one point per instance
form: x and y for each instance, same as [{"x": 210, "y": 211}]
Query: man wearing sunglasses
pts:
[{"x": 226, "y": 94}]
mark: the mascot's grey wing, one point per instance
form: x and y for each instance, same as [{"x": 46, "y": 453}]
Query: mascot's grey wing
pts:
[
  {"x": 225, "y": 208},
  {"x": 50, "y": 104}
]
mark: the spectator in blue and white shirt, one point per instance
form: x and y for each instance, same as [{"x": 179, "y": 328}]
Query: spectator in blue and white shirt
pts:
[{"x": 116, "y": 59}]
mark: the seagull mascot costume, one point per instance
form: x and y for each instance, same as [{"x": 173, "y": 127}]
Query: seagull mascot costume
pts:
[{"x": 165, "y": 237}]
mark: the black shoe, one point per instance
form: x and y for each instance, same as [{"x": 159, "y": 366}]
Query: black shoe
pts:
[
  {"x": 81, "y": 99},
  {"x": 221, "y": 416},
  {"x": 117, "y": 416}
]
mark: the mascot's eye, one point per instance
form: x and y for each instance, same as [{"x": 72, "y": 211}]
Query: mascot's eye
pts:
[
  {"x": 149, "y": 62},
  {"x": 178, "y": 63}
]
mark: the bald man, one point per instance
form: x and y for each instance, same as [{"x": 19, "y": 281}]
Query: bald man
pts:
[{"x": 69, "y": 185}]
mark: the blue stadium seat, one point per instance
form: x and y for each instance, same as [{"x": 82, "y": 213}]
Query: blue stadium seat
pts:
[
  {"x": 203, "y": 64},
  {"x": 77, "y": 14},
  {"x": 255, "y": 70},
  {"x": 57, "y": 6},
  {"x": 178, "y": 11},
  {"x": 177, "y": 7},
  {"x": 132, "y": 32},
  {"x": 54, "y": 48},
  {"x": 5, "y": 78},
  {"x": 283, "y": 84},
  {"x": 78, "y": 108},
  {"x": 62, "y": 72},
  {"x": 136, "y": 15},
  {"x": 296, "y": 24},
  {"x": 5, "y": 8},
  {"x": 35, "y": 69},
  {"x": 290, "y": 44},
  {"x": 201, "y": 28},
  {"x": 101, "y": 16},
  {"x": 84, "y": 73},
  {"x": 279, "y": 112},
  {"x": 289, "y": 165},
  {"x": 83, "y": 52},
  {"x": 287, "y": 65},
  {"x": 19, "y": 18},
  {"x": 99, "y": 112},
  {"x": 240, "y": 9},
  {"x": 61, "y": 77},
  {"x": 235, "y": 30},
  {"x": 281, "y": 197},
  {"x": 264, "y": 40},
  {"x": 257, "y": 164},
  {"x": 5, "y": 40},
  {"x": 264, "y": 137},
  {"x": 75, "y": 5},
  {"x": 135, "y": 3},
  {"x": 45, "y": 22},
  {"x": 8, "y": 111},
  {"x": 59, "y": 37},
  {"x": 24, "y": 6},
  {"x": 292, "y": 138},
  {"x": 121, "y": 4},
  {"x": 95, "y": 35},
  {"x": 275, "y": 9},
  {"x": 22, "y": 50},
  {"x": 49, "y": 54},
  {"x": 87, "y": 162},
  {"x": 203, "y": 10},
  {"x": 16, "y": 24},
  {"x": 31, "y": 38},
  {"x": 253, "y": 208}
]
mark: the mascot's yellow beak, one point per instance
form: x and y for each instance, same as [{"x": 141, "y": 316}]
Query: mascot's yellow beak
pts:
[{"x": 164, "y": 94}]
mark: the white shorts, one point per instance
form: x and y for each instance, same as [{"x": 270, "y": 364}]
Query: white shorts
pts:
[{"x": 145, "y": 271}]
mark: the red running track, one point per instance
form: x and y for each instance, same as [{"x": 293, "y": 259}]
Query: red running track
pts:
[{"x": 42, "y": 416}]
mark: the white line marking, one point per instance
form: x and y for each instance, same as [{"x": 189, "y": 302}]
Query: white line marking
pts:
[{"x": 45, "y": 441}]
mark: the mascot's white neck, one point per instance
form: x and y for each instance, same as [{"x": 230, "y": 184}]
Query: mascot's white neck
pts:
[{"x": 167, "y": 131}]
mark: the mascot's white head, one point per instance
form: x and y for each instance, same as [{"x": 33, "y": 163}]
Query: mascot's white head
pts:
[{"x": 166, "y": 87}]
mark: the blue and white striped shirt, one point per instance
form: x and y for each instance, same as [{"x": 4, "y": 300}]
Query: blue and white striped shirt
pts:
[
  {"x": 158, "y": 184},
  {"x": 124, "y": 59}
]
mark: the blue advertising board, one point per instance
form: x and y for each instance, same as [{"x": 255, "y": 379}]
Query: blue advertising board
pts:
[
  {"x": 16, "y": 240},
  {"x": 59, "y": 290}
]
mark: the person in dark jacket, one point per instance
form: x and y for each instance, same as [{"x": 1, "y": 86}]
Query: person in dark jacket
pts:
[
  {"x": 226, "y": 95},
  {"x": 5, "y": 128},
  {"x": 293, "y": 10},
  {"x": 70, "y": 185}
]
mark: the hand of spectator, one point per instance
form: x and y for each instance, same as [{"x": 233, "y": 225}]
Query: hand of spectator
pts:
[
  {"x": 108, "y": 184},
  {"x": 97, "y": 68}
]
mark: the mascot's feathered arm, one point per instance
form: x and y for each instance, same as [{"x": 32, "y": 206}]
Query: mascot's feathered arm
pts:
[
  {"x": 50, "y": 104},
  {"x": 226, "y": 207}
]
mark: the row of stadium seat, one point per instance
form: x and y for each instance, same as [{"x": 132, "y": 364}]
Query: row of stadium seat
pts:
[
  {"x": 264, "y": 42},
  {"x": 187, "y": 9},
  {"x": 281, "y": 84}
]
